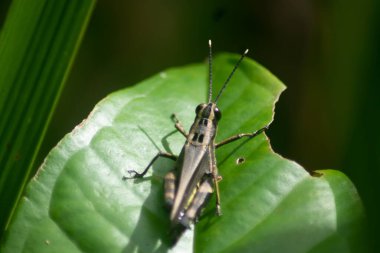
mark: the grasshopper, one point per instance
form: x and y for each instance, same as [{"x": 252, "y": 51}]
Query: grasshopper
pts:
[{"x": 195, "y": 176}]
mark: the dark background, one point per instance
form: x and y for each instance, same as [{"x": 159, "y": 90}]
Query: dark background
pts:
[{"x": 326, "y": 52}]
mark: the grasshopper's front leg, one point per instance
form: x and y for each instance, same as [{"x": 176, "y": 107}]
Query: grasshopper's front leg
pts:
[
  {"x": 160, "y": 154},
  {"x": 239, "y": 136},
  {"x": 178, "y": 125}
]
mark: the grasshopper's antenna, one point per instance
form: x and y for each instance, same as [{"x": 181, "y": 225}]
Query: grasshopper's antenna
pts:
[
  {"x": 210, "y": 71},
  {"x": 229, "y": 77}
]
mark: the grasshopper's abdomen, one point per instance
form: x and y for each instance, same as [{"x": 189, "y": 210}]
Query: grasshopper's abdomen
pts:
[{"x": 170, "y": 186}]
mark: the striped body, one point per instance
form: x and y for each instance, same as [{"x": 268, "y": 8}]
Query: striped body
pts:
[{"x": 189, "y": 185}]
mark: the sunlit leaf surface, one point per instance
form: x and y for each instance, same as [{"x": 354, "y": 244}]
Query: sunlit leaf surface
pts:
[{"x": 78, "y": 202}]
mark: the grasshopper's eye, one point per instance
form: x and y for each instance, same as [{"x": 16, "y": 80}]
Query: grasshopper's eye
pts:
[
  {"x": 199, "y": 108},
  {"x": 217, "y": 113}
]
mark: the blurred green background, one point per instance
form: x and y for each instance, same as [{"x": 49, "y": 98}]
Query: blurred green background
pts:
[{"x": 326, "y": 52}]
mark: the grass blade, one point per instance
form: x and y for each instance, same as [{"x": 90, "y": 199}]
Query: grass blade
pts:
[{"x": 37, "y": 46}]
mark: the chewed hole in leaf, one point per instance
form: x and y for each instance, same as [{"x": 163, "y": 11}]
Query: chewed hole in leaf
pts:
[{"x": 240, "y": 160}]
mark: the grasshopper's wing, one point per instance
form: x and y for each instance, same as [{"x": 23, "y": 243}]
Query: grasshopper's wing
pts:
[{"x": 196, "y": 162}]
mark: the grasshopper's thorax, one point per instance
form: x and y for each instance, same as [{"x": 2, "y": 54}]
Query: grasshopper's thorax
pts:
[{"x": 204, "y": 127}]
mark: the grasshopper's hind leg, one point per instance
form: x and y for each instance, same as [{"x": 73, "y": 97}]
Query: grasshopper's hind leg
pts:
[
  {"x": 217, "y": 179},
  {"x": 200, "y": 199},
  {"x": 170, "y": 188}
]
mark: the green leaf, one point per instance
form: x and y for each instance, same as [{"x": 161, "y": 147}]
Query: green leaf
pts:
[
  {"x": 37, "y": 46},
  {"x": 78, "y": 201}
]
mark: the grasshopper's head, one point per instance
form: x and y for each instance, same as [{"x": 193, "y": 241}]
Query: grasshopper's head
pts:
[{"x": 208, "y": 111}]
